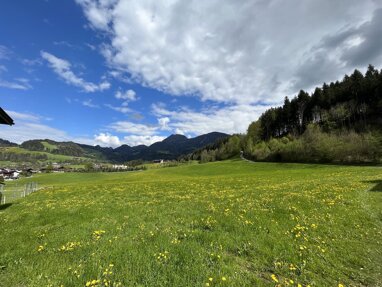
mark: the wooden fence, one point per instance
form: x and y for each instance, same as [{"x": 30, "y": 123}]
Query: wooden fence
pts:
[{"x": 11, "y": 193}]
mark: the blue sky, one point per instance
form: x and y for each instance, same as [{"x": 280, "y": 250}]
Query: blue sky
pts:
[{"x": 111, "y": 72}]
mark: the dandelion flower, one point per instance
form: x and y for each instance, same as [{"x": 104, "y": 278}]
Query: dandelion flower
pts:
[{"x": 274, "y": 278}]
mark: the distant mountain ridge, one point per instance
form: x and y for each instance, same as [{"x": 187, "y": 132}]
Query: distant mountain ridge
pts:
[
  {"x": 170, "y": 148},
  {"x": 5, "y": 143}
]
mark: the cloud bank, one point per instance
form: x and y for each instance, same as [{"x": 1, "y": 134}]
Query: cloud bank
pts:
[{"x": 237, "y": 52}]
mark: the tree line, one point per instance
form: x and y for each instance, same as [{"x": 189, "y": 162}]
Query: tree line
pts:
[
  {"x": 338, "y": 122},
  {"x": 353, "y": 103}
]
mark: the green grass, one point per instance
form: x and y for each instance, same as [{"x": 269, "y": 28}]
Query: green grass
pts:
[
  {"x": 49, "y": 147},
  {"x": 50, "y": 156},
  {"x": 316, "y": 225}
]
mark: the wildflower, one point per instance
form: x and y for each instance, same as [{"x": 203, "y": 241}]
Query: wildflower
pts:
[
  {"x": 274, "y": 278},
  {"x": 224, "y": 279},
  {"x": 98, "y": 233},
  {"x": 292, "y": 267},
  {"x": 70, "y": 246}
]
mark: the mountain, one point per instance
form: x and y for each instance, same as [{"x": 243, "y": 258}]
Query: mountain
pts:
[
  {"x": 170, "y": 148},
  {"x": 5, "y": 143},
  {"x": 177, "y": 145},
  {"x": 64, "y": 148}
]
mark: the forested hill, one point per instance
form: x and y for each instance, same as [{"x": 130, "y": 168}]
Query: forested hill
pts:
[
  {"x": 5, "y": 143},
  {"x": 353, "y": 103},
  {"x": 338, "y": 122}
]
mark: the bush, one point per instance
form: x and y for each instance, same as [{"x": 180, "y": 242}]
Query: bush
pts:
[{"x": 317, "y": 146}]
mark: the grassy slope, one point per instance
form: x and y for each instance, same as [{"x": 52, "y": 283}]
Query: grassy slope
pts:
[
  {"x": 51, "y": 157},
  {"x": 49, "y": 147},
  {"x": 313, "y": 224}
]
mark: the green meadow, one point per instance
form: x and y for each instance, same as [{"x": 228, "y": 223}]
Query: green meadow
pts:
[{"x": 230, "y": 223}]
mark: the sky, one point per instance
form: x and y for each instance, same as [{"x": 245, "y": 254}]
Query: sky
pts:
[{"x": 112, "y": 72}]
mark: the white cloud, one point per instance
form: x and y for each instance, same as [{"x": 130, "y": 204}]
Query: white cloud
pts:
[
  {"x": 134, "y": 128},
  {"x": 89, "y": 103},
  {"x": 64, "y": 43},
  {"x": 63, "y": 69},
  {"x": 137, "y": 134},
  {"x": 231, "y": 119},
  {"x": 134, "y": 140},
  {"x": 24, "y": 117},
  {"x": 29, "y": 126},
  {"x": 227, "y": 51},
  {"x": 98, "y": 12},
  {"x": 122, "y": 109},
  {"x": 17, "y": 84},
  {"x": 106, "y": 139},
  {"x": 31, "y": 62},
  {"x": 128, "y": 95},
  {"x": 163, "y": 123}
]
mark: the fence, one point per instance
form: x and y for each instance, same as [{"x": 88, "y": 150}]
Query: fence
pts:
[{"x": 16, "y": 191}]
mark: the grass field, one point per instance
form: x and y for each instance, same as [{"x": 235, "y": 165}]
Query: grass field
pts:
[{"x": 229, "y": 223}]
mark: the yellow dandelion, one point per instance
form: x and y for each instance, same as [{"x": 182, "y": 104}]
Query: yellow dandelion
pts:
[{"x": 274, "y": 278}]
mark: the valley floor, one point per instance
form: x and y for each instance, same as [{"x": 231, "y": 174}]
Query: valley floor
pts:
[{"x": 230, "y": 223}]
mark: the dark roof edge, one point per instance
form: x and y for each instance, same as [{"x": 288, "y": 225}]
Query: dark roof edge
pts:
[{"x": 5, "y": 118}]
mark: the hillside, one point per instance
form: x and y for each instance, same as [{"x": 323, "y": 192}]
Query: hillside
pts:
[
  {"x": 63, "y": 148},
  {"x": 5, "y": 143},
  {"x": 40, "y": 150},
  {"x": 340, "y": 122},
  {"x": 13, "y": 156}
]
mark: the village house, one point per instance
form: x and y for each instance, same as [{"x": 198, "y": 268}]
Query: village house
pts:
[
  {"x": 10, "y": 174},
  {"x": 120, "y": 167}
]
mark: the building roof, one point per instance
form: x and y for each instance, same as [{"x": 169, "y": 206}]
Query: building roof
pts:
[{"x": 5, "y": 118}]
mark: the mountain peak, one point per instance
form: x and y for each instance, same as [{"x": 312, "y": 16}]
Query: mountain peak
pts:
[{"x": 175, "y": 138}]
